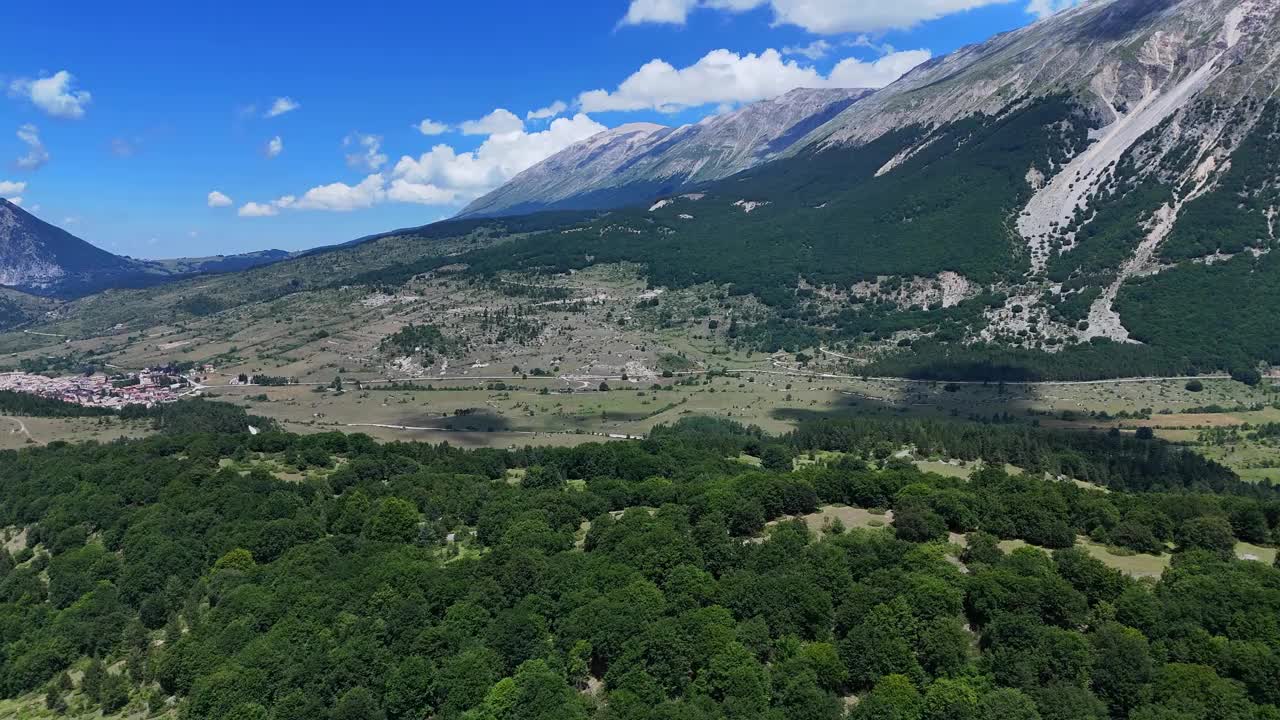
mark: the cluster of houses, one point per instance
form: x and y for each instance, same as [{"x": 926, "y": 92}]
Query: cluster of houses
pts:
[{"x": 150, "y": 387}]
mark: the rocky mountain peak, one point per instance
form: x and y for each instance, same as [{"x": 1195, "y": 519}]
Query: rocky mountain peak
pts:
[{"x": 633, "y": 163}]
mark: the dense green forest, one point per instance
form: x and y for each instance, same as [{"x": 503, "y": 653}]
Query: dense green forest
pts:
[
  {"x": 1232, "y": 216},
  {"x": 1213, "y": 314},
  {"x": 12, "y": 315},
  {"x": 421, "y": 581},
  {"x": 832, "y": 219}
]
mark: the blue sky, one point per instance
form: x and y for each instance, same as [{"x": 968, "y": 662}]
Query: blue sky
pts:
[{"x": 119, "y": 120}]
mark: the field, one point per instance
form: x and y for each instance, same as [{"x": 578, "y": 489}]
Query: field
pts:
[
  {"x": 19, "y": 432},
  {"x": 1141, "y": 565},
  {"x": 514, "y": 360}
]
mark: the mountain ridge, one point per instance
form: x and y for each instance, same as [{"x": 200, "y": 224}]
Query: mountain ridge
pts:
[
  {"x": 637, "y": 161},
  {"x": 39, "y": 258}
]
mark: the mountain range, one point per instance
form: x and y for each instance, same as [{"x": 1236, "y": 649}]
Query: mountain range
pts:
[
  {"x": 42, "y": 259},
  {"x": 638, "y": 161},
  {"x": 1112, "y": 171},
  {"x": 1093, "y": 194}
]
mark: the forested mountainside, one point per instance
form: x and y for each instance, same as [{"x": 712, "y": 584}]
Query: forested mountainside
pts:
[
  {"x": 655, "y": 579},
  {"x": 1091, "y": 196},
  {"x": 1094, "y": 193},
  {"x": 18, "y": 308}
]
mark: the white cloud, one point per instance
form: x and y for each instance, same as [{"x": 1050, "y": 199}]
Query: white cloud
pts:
[
  {"x": 854, "y": 73},
  {"x": 823, "y": 17},
  {"x": 253, "y": 209},
  {"x": 274, "y": 147},
  {"x": 15, "y": 200},
  {"x": 281, "y": 106},
  {"x": 724, "y": 77},
  {"x": 498, "y": 159},
  {"x": 401, "y": 190},
  {"x": 370, "y": 155},
  {"x": 54, "y": 94},
  {"x": 218, "y": 200},
  {"x": 11, "y": 187},
  {"x": 815, "y": 50},
  {"x": 430, "y": 127},
  {"x": 441, "y": 176},
  {"x": 554, "y": 109},
  {"x": 37, "y": 155},
  {"x": 497, "y": 122},
  {"x": 1045, "y": 8},
  {"x": 673, "y": 12},
  {"x": 340, "y": 196}
]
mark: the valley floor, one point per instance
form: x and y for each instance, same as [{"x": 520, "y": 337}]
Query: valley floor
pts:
[{"x": 520, "y": 362}]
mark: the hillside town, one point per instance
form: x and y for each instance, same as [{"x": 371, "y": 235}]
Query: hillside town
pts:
[{"x": 149, "y": 387}]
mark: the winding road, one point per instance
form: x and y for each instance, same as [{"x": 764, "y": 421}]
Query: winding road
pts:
[{"x": 21, "y": 428}]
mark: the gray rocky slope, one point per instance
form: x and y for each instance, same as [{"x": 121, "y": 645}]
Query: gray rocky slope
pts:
[
  {"x": 39, "y": 257},
  {"x": 1172, "y": 88},
  {"x": 638, "y": 161}
]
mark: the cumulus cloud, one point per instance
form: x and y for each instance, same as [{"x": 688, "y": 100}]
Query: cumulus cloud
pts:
[
  {"x": 12, "y": 191},
  {"x": 401, "y": 190},
  {"x": 724, "y": 77},
  {"x": 36, "y": 155},
  {"x": 54, "y": 94},
  {"x": 1045, "y": 8},
  {"x": 823, "y": 17},
  {"x": 253, "y": 209},
  {"x": 815, "y": 50},
  {"x": 342, "y": 197},
  {"x": 274, "y": 147},
  {"x": 673, "y": 12},
  {"x": 495, "y": 123},
  {"x": 282, "y": 105},
  {"x": 554, "y": 109},
  {"x": 498, "y": 159},
  {"x": 442, "y": 176},
  {"x": 218, "y": 200},
  {"x": 854, "y": 73},
  {"x": 369, "y": 155},
  {"x": 430, "y": 127}
]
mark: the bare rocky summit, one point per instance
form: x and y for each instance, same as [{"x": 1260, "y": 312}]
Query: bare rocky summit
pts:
[{"x": 635, "y": 162}]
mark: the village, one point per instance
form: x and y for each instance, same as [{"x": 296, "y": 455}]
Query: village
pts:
[{"x": 148, "y": 387}]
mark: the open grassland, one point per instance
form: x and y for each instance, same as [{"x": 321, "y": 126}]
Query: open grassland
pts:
[
  {"x": 1142, "y": 565},
  {"x": 521, "y": 360},
  {"x": 17, "y": 432}
]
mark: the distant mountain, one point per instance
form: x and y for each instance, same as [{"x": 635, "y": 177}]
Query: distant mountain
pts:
[
  {"x": 45, "y": 260},
  {"x": 219, "y": 263},
  {"x": 639, "y": 161}
]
